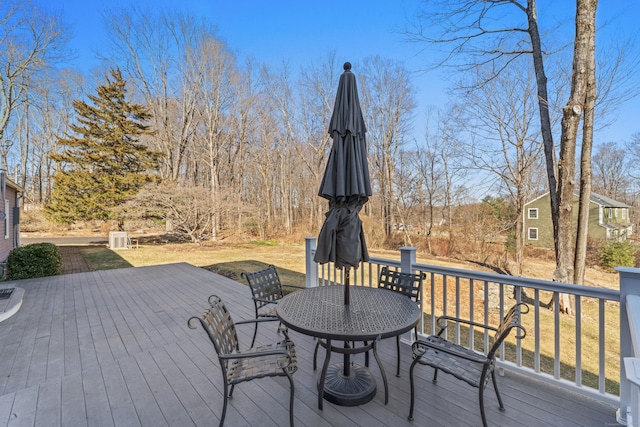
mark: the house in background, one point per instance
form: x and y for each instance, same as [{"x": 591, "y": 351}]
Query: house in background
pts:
[
  {"x": 9, "y": 216},
  {"x": 608, "y": 220}
]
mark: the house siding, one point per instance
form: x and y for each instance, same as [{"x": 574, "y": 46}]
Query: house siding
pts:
[
  {"x": 543, "y": 223},
  {"x": 9, "y": 228},
  {"x": 598, "y": 215}
]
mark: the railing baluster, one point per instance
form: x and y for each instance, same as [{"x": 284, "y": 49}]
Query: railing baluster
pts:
[
  {"x": 578, "y": 318},
  {"x": 556, "y": 335},
  {"x": 457, "y": 292},
  {"x": 471, "y": 313},
  {"x": 445, "y": 300},
  {"x": 536, "y": 330},
  {"x": 601, "y": 345},
  {"x": 433, "y": 303},
  {"x": 517, "y": 291},
  {"x": 486, "y": 316}
]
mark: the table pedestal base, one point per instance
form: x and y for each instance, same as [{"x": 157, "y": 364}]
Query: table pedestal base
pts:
[{"x": 356, "y": 389}]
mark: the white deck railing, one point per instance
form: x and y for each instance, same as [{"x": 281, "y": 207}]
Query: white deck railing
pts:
[{"x": 583, "y": 351}]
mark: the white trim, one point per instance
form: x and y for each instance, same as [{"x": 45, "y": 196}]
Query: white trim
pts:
[
  {"x": 6, "y": 218},
  {"x": 529, "y": 210},
  {"x": 529, "y": 230}
]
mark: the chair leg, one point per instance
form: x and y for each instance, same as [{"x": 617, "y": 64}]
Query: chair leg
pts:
[
  {"x": 495, "y": 387},
  {"x": 384, "y": 376},
  {"x": 435, "y": 375},
  {"x": 323, "y": 375},
  {"x": 224, "y": 405},
  {"x": 290, "y": 397},
  {"x": 255, "y": 333},
  {"x": 315, "y": 354},
  {"x": 482, "y": 414},
  {"x": 398, "y": 348},
  {"x": 413, "y": 365}
]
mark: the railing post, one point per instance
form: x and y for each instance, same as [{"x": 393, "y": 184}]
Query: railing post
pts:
[
  {"x": 407, "y": 258},
  {"x": 311, "y": 268},
  {"x": 407, "y": 261},
  {"x": 629, "y": 285}
]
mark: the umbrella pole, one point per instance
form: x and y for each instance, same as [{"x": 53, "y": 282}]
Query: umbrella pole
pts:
[
  {"x": 347, "y": 357},
  {"x": 347, "y": 270}
]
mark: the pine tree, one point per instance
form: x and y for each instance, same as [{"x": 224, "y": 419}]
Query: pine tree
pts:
[{"x": 103, "y": 164}]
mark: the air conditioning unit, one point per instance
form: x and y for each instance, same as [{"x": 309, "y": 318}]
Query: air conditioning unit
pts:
[{"x": 118, "y": 240}]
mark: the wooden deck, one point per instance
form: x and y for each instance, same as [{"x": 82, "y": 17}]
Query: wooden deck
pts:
[{"x": 113, "y": 348}]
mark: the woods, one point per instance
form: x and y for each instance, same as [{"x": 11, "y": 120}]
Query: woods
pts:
[{"x": 242, "y": 145}]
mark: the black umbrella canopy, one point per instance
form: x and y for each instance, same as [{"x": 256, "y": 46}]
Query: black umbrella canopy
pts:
[{"x": 345, "y": 183}]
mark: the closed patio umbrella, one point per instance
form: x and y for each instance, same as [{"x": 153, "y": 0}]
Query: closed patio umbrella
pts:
[
  {"x": 347, "y": 187},
  {"x": 345, "y": 183}
]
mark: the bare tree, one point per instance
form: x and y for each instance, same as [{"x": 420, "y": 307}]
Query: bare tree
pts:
[
  {"x": 44, "y": 116},
  {"x": 610, "y": 174},
  {"x": 151, "y": 50},
  {"x": 210, "y": 68},
  {"x": 499, "y": 119},
  {"x": 30, "y": 41},
  {"x": 317, "y": 86},
  {"x": 387, "y": 105},
  {"x": 581, "y": 104},
  {"x": 430, "y": 182},
  {"x": 455, "y": 171},
  {"x": 474, "y": 31}
]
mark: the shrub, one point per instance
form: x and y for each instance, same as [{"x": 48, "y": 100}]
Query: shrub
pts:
[
  {"x": 618, "y": 254},
  {"x": 34, "y": 260}
]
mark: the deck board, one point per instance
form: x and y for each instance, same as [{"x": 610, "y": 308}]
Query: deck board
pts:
[{"x": 113, "y": 348}]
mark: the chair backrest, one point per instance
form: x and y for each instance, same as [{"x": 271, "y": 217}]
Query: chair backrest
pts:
[
  {"x": 217, "y": 322},
  {"x": 265, "y": 285},
  {"x": 409, "y": 284},
  {"x": 510, "y": 322}
]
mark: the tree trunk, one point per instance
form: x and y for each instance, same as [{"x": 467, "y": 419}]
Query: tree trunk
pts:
[
  {"x": 545, "y": 120},
  {"x": 585, "y": 161},
  {"x": 571, "y": 115},
  {"x": 519, "y": 233}
]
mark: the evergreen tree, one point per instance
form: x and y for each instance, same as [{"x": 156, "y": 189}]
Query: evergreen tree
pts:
[{"x": 104, "y": 164}]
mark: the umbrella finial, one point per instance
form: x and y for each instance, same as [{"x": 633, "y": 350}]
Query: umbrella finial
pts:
[{"x": 347, "y": 66}]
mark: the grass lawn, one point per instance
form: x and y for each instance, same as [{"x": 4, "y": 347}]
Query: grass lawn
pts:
[{"x": 229, "y": 260}]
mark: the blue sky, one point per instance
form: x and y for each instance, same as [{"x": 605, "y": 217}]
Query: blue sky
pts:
[{"x": 304, "y": 31}]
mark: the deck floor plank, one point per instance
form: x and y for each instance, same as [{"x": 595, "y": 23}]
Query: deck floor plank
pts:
[
  {"x": 113, "y": 348},
  {"x": 47, "y": 411},
  {"x": 24, "y": 407},
  {"x": 72, "y": 402}
]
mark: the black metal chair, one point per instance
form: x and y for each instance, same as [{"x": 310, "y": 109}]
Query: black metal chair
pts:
[
  {"x": 466, "y": 364},
  {"x": 266, "y": 289},
  {"x": 273, "y": 360},
  {"x": 409, "y": 284}
]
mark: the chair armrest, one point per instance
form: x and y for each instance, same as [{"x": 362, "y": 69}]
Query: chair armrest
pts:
[
  {"x": 442, "y": 323},
  {"x": 267, "y": 301},
  {"x": 283, "y": 348},
  {"x": 259, "y": 320},
  {"x": 420, "y": 347}
]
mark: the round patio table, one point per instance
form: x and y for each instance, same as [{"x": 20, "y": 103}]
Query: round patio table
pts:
[{"x": 372, "y": 314}]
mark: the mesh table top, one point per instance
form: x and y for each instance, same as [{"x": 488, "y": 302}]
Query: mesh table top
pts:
[{"x": 372, "y": 314}]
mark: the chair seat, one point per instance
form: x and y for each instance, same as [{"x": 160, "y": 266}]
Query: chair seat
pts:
[
  {"x": 459, "y": 361},
  {"x": 269, "y": 312},
  {"x": 249, "y": 368}
]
